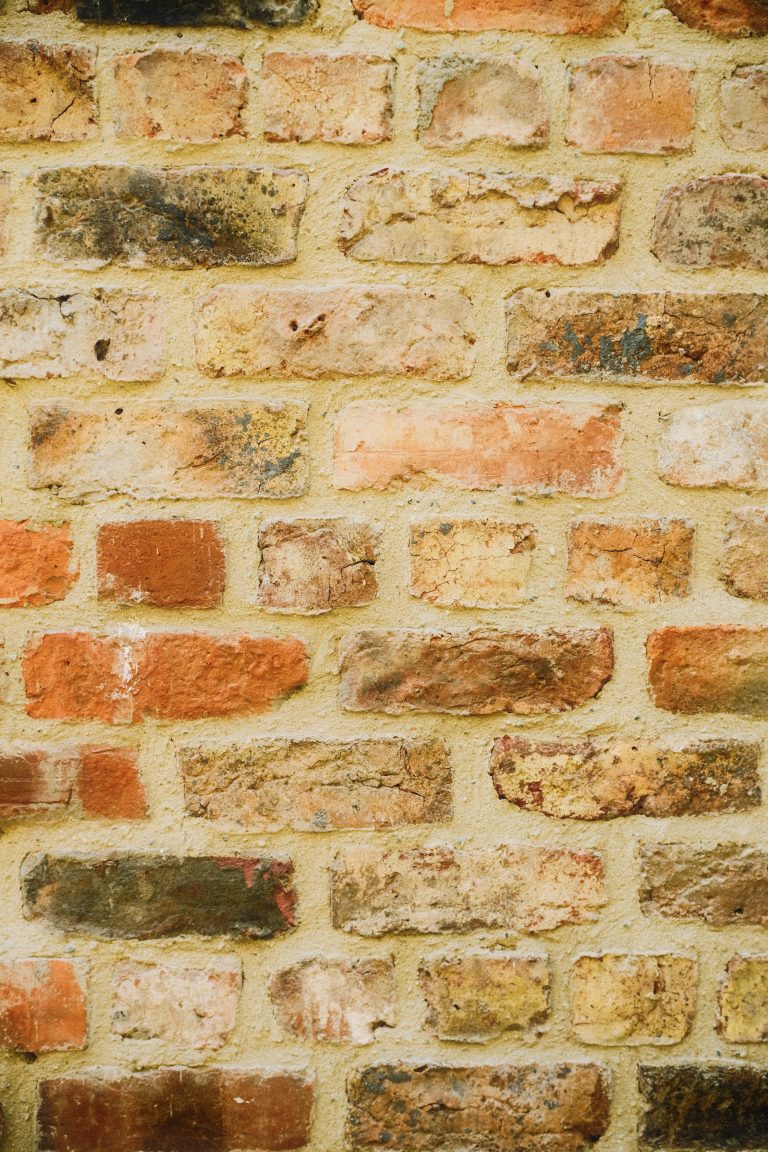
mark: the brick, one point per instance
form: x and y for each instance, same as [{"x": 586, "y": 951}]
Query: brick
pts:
[
  {"x": 744, "y": 108},
  {"x": 192, "y": 96},
  {"x": 170, "y": 450},
  {"x": 427, "y": 1107},
  {"x": 718, "y": 884},
  {"x": 340, "y": 1001},
  {"x": 314, "y": 566},
  {"x": 713, "y": 222},
  {"x": 318, "y": 786},
  {"x": 637, "y": 338},
  {"x": 734, "y": 18},
  {"x": 444, "y": 889},
  {"x": 99, "y": 781},
  {"x": 476, "y": 673},
  {"x": 187, "y": 1007},
  {"x": 120, "y": 679},
  {"x": 36, "y": 563},
  {"x": 742, "y": 1001},
  {"x": 314, "y": 333},
  {"x": 116, "y": 335},
  {"x": 338, "y": 98},
  {"x": 42, "y": 1006},
  {"x": 703, "y": 1106},
  {"x": 130, "y": 896},
  {"x": 471, "y": 563},
  {"x": 161, "y": 563},
  {"x": 588, "y": 18},
  {"x": 5, "y": 209},
  {"x": 599, "y": 779},
  {"x": 574, "y": 449},
  {"x": 197, "y": 1109},
  {"x": 633, "y": 999},
  {"x": 630, "y": 562},
  {"x": 744, "y": 562},
  {"x": 720, "y": 445},
  {"x": 175, "y": 13},
  {"x": 480, "y": 218},
  {"x": 47, "y": 91},
  {"x": 468, "y": 98},
  {"x": 631, "y": 104},
  {"x": 482, "y": 995},
  {"x": 168, "y": 217},
  {"x": 709, "y": 668}
]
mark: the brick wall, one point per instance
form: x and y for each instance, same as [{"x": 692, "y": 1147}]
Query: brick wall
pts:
[{"x": 383, "y": 572}]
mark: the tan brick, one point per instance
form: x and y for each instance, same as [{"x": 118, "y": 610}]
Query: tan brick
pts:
[
  {"x": 339, "y": 98},
  {"x": 718, "y": 884},
  {"x": 36, "y": 563},
  {"x": 633, "y": 999},
  {"x": 443, "y": 889},
  {"x": 187, "y": 1007},
  {"x": 471, "y": 563},
  {"x": 575, "y": 449},
  {"x": 599, "y": 779},
  {"x": 47, "y": 91},
  {"x": 314, "y": 566},
  {"x": 629, "y": 562},
  {"x": 631, "y": 104},
  {"x": 744, "y": 108},
  {"x": 744, "y": 562},
  {"x": 480, "y": 218},
  {"x": 558, "y": 16},
  {"x": 313, "y": 333},
  {"x": 709, "y": 668},
  {"x": 720, "y": 445},
  {"x": 742, "y": 1016},
  {"x": 468, "y": 98},
  {"x": 713, "y": 222},
  {"x": 5, "y": 209},
  {"x": 339, "y": 1001},
  {"x": 734, "y": 18},
  {"x": 189, "y": 95},
  {"x": 481, "y": 995},
  {"x": 42, "y": 1006},
  {"x": 317, "y": 786}
]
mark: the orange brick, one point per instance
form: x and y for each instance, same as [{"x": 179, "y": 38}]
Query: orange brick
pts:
[
  {"x": 42, "y": 1006},
  {"x": 587, "y": 18},
  {"x": 161, "y": 563},
  {"x": 36, "y": 563}
]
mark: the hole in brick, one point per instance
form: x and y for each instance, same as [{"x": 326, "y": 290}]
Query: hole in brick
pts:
[{"x": 101, "y": 349}]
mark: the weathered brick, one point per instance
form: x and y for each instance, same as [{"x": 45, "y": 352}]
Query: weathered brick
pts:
[
  {"x": 339, "y": 98},
  {"x": 730, "y": 18},
  {"x": 575, "y": 449},
  {"x": 467, "y": 98},
  {"x": 42, "y": 1006},
  {"x": 600, "y": 779},
  {"x": 444, "y": 889},
  {"x": 744, "y": 108},
  {"x": 631, "y": 104},
  {"x": 188, "y": 1007},
  {"x": 629, "y": 561},
  {"x": 709, "y": 668},
  {"x": 720, "y": 445},
  {"x": 743, "y": 1000},
  {"x": 197, "y": 1109},
  {"x": 427, "y": 1108},
  {"x": 341, "y": 1001},
  {"x": 115, "y": 334},
  {"x": 169, "y": 217},
  {"x": 192, "y": 95},
  {"x": 316, "y": 786},
  {"x": 719, "y": 884},
  {"x": 481, "y": 995},
  {"x": 172, "y": 13},
  {"x": 139, "y": 897},
  {"x": 5, "y": 209},
  {"x": 480, "y": 218},
  {"x": 96, "y": 780},
  {"x": 36, "y": 563},
  {"x": 637, "y": 338},
  {"x": 587, "y": 18},
  {"x": 169, "y": 450},
  {"x": 744, "y": 562},
  {"x": 46, "y": 91},
  {"x": 474, "y": 673},
  {"x": 713, "y": 222},
  {"x": 161, "y": 563},
  {"x": 471, "y": 563},
  {"x": 314, "y": 566},
  {"x": 703, "y": 1106},
  {"x": 312, "y": 333},
  {"x": 633, "y": 999}
]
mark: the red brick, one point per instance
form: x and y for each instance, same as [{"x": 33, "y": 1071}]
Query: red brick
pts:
[
  {"x": 339, "y": 98},
  {"x": 713, "y": 222},
  {"x": 110, "y": 785},
  {"x": 723, "y": 17},
  {"x": 161, "y": 563},
  {"x": 36, "y": 563},
  {"x": 100, "y": 781},
  {"x": 631, "y": 562},
  {"x": 340, "y": 1001},
  {"x": 467, "y": 98},
  {"x": 47, "y": 91},
  {"x": 719, "y": 445},
  {"x": 744, "y": 108},
  {"x": 555, "y": 16},
  {"x": 42, "y": 1006},
  {"x": 709, "y": 668}
]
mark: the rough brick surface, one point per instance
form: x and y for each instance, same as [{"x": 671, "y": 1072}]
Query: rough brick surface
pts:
[
  {"x": 36, "y": 563},
  {"x": 161, "y": 563},
  {"x": 173, "y": 13},
  {"x": 713, "y": 222},
  {"x": 723, "y": 17},
  {"x": 703, "y": 668},
  {"x": 744, "y": 562},
  {"x": 314, "y": 566},
  {"x": 470, "y": 563},
  {"x": 482, "y": 995},
  {"x": 42, "y": 1006},
  {"x": 633, "y": 999},
  {"x": 340, "y": 1001},
  {"x": 721, "y": 884},
  {"x": 340, "y": 98},
  {"x": 47, "y": 92},
  {"x": 588, "y": 18},
  {"x": 96, "y": 781},
  {"x": 468, "y": 98},
  {"x": 743, "y": 1000},
  {"x": 629, "y": 562},
  {"x": 744, "y": 108},
  {"x": 721, "y": 445},
  {"x": 701, "y": 1106},
  {"x": 188, "y": 1007}
]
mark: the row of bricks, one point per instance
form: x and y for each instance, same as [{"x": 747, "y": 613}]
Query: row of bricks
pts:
[
  {"x": 205, "y": 216},
  {"x": 314, "y": 566},
  {"x": 617, "y": 103},
  {"x": 473, "y": 996}
]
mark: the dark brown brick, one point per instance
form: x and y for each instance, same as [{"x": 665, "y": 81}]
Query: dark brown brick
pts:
[
  {"x": 723, "y": 17},
  {"x": 704, "y": 1106},
  {"x": 171, "y": 13},
  {"x": 719, "y": 884}
]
